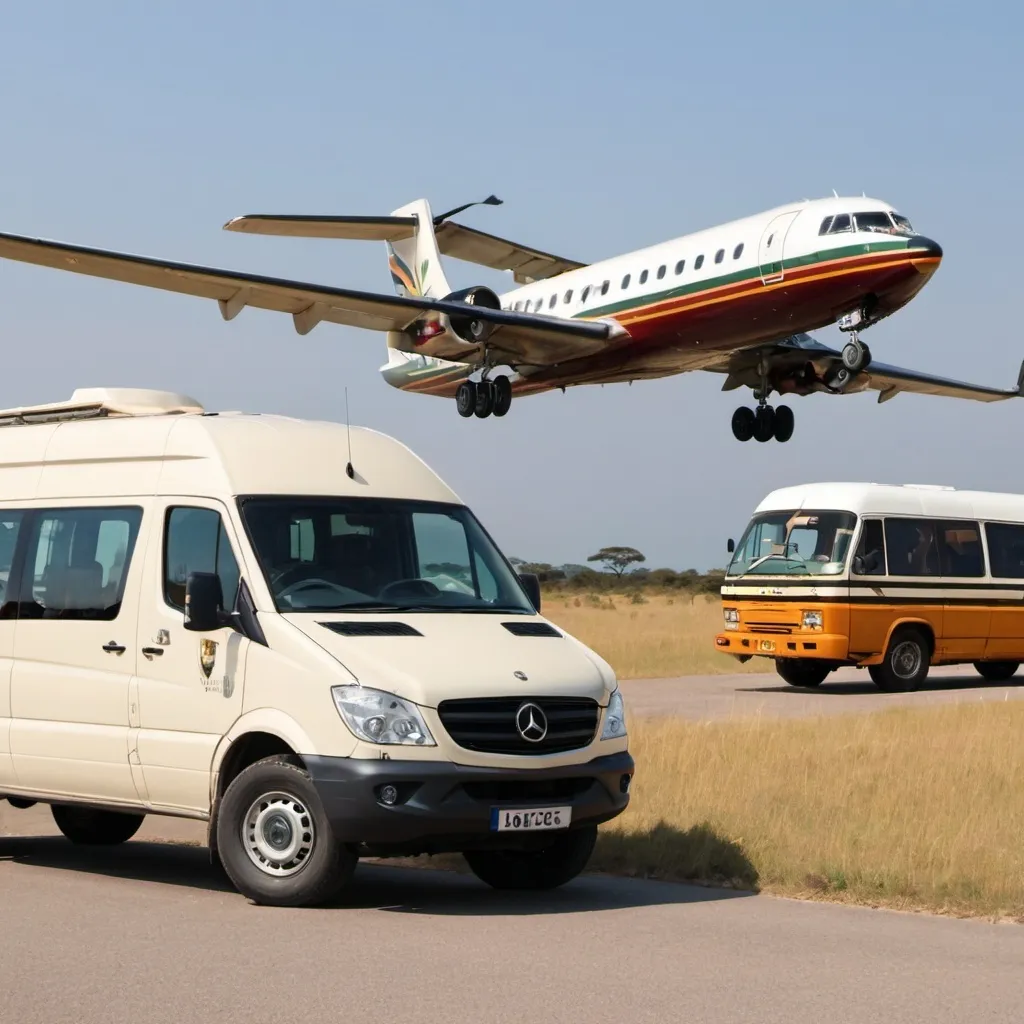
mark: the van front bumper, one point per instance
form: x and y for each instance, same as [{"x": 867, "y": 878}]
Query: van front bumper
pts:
[
  {"x": 829, "y": 646},
  {"x": 444, "y": 807}
]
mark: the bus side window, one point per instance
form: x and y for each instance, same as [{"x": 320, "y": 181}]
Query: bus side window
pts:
[
  {"x": 960, "y": 548},
  {"x": 870, "y": 557},
  {"x": 912, "y": 547}
]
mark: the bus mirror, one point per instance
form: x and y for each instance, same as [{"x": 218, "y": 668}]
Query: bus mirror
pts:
[
  {"x": 203, "y": 602},
  {"x": 531, "y": 584},
  {"x": 730, "y": 546}
]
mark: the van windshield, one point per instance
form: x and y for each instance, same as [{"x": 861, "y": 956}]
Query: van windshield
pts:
[
  {"x": 794, "y": 543},
  {"x": 363, "y": 554}
]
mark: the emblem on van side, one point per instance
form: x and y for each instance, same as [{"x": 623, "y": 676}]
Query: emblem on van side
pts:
[
  {"x": 207, "y": 655},
  {"x": 521, "y": 676}
]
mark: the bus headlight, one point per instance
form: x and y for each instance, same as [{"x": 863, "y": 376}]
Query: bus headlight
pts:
[
  {"x": 732, "y": 618},
  {"x": 812, "y": 620},
  {"x": 380, "y": 717}
]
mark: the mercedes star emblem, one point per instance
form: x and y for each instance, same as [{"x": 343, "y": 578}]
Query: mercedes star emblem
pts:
[{"x": 531, "y": 723}]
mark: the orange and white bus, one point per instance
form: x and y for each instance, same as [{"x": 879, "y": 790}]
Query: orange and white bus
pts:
[{"x": 892, "y": 578}]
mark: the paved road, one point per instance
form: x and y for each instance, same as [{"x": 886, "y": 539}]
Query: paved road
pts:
[
  {"x": 149, "y": 933},
  {"x": 848, "y": 690}
]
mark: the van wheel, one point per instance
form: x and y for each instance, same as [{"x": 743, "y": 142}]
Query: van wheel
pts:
[
  {"x": 554, "y": 865},
  {"x": 906, "y": 662},
  {"x": 802, "y": 673},
  {"x": 275, "y": 841},
  {"x": 997, "y": 671},
  {"x": 91, "y": 827}
]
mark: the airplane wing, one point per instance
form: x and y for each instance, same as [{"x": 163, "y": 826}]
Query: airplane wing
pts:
[
  {"x": 518, "y": 337},
  {"x": 796, "y": 354},
  {"x": 456, "y": 240}
]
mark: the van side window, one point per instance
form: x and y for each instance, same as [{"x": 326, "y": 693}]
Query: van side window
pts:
[
  {"x": 443, "y": 556},
  {"x": 78, "y": 561},
  {"x": 195, "y": 541},
  {"x": 912, "y": 547},
  {"x": 1005, "y": 550},
  {"x": 10, "y": 526},
  {"x": 960, "y": 551},
  {"x": 870, "y": 557}
]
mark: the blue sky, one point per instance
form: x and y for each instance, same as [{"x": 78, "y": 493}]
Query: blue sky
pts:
[{"x": 603, "y": 127}]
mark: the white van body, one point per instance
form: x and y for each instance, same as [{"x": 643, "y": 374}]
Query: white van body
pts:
[{"x": 116, "y": 702}]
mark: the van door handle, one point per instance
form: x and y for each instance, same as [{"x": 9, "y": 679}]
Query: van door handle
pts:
[
  {"x": 113, "y": 648},
  {"x": 150, "y": 651}
]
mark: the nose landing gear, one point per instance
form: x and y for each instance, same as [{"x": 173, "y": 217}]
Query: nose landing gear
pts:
[{"x": 484, "y": 398}]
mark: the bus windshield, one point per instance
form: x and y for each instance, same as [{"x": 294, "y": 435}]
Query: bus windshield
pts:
[{"x": 794, "y": 543}]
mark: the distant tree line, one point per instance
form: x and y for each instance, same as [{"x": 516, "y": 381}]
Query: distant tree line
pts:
[{"x": 622, "y": 570}]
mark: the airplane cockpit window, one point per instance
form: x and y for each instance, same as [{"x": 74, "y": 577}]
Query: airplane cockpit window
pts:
[
  {"x": 877, "y": 221},
  {"x": 902, "y": 223},
  {"x": 833, "y": 225}
]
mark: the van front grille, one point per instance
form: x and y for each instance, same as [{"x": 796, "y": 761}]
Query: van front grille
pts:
[
  {"x": 489, "y": 723},
  {"x": 771, "y": 627}
]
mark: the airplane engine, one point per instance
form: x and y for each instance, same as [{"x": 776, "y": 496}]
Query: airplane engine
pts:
[{"x": 466, "y": 327}]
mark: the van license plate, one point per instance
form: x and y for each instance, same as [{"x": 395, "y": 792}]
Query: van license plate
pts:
[{"x": 532, "y": 820}]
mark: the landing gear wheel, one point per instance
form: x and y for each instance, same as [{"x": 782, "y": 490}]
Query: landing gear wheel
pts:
[
  {"x": 502, "y": 395},
  {"x": 465, "y": 398},
  {"x": 856, "y": 356},
  {"x": 906, "y": 662},
  {"x": 784, "y": 423},
  {"x": 764, "y": 423},
  {"x": 484, "y": 399},
  {"x": 275, "y": 841},
  {"x": 88, "y": 826},
  {"x": 743, "y": 423},
  {"x": 997, "y": 671},
  {"x": 802, "y": 673},
  {"x": 554, "y": 865}
]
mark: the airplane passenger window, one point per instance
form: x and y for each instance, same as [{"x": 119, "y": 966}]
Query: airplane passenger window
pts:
[
  {"x": 661, "y": 271},
  {"x": 738, "y": 251},
  {"x": 698, "y": 262},
  {"x": 586, "y": 292},
  {"x": 604, "y": 287},
  {"x": 551, "y": 304},
  {"x": 516, "y": 306},
  {"x": 568, "y": 296},
  {"x": 720, "y": 255},
  {"x": 680, "y": 265},
  {"x": 625, "y": 281},
  {"x": 643, "y": 277},
  {"x": 840, "y": 222}
]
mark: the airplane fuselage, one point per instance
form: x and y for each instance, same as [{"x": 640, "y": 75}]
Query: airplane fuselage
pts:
[{"x": 793, "y": 269}]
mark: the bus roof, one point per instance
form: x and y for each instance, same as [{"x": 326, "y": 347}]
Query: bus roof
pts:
[{"x": 897, "y": 499}]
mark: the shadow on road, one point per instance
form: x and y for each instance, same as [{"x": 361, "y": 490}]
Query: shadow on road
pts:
[
  {"x": 937, "y": 683},
  {"x": 408, "y": 890}
]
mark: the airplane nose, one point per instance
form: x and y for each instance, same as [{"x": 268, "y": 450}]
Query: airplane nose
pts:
[{"x": 931, "y": 248}]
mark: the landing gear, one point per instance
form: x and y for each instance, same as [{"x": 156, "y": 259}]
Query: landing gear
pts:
[
  {"x": 765, "y": 422},
  {"x": 484, "y": 398},
  {"x": 856, "y": 355}
]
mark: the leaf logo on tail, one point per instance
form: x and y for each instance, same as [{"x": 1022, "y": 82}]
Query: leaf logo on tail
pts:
[{"x": 406, "y": 281}]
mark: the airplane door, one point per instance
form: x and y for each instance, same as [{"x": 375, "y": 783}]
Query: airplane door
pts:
[{"x": 770, "y": 249}]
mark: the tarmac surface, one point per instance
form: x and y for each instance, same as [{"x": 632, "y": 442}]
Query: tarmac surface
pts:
[{"x": 149, "y": 932}]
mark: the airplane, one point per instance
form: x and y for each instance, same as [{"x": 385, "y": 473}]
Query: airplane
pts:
[{"x": 738, "y": 299}]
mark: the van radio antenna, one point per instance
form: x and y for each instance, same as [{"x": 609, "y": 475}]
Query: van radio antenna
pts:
[{"x": 348, "y": 431}]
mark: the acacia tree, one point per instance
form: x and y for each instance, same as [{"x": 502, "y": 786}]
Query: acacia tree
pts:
[{"x": 617, "y": 560}]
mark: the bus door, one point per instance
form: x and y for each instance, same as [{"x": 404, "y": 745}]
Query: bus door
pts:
[{"x": 871, "y": 611}]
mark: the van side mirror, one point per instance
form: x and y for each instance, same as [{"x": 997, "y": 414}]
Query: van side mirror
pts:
[
  {"x": 531, "y": 584},
  {"x": 730, "y": 546},
  {"x": 204, "y": 603}
]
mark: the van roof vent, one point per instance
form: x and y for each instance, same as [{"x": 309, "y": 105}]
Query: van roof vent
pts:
[{"x": 88, "y": 403}]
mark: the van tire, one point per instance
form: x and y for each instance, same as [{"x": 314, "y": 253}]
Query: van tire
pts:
[
  {"x": 554, "y": 865},
  {"x": 323, "y": 870},
  {"x": 906, "y": 662},
  {"x": 798, "y": 672},
  {"x": 89, "y": 826},
  {"x": 997, "y": 671}
]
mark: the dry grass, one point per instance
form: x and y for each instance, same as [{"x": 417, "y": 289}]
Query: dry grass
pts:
[
  {"x": 910, "y": 808},
  {"x": 662, "y": 637}
]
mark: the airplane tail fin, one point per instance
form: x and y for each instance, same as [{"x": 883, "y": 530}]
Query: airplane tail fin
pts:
[{"x": 415, "y": 261}]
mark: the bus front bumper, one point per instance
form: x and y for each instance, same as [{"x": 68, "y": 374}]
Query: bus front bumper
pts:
[{"x": 826, "y": 646}]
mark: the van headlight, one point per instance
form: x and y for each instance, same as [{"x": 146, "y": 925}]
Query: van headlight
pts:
[
  {"x": 615, "y": 718},
  {"x": 812, "y": 620},
  {"x": 380, "y": 717},
  {"x": 732, "y": 618}
]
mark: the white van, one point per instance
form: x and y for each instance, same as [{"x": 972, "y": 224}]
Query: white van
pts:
[{"x": 291, "y": 630}]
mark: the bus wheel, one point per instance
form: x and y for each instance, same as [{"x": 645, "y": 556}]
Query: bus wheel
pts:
[
  {"x": 997, "y": 671},
  {"x": 906, "y": 662},
  {"x": 802, "y": 673}
]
